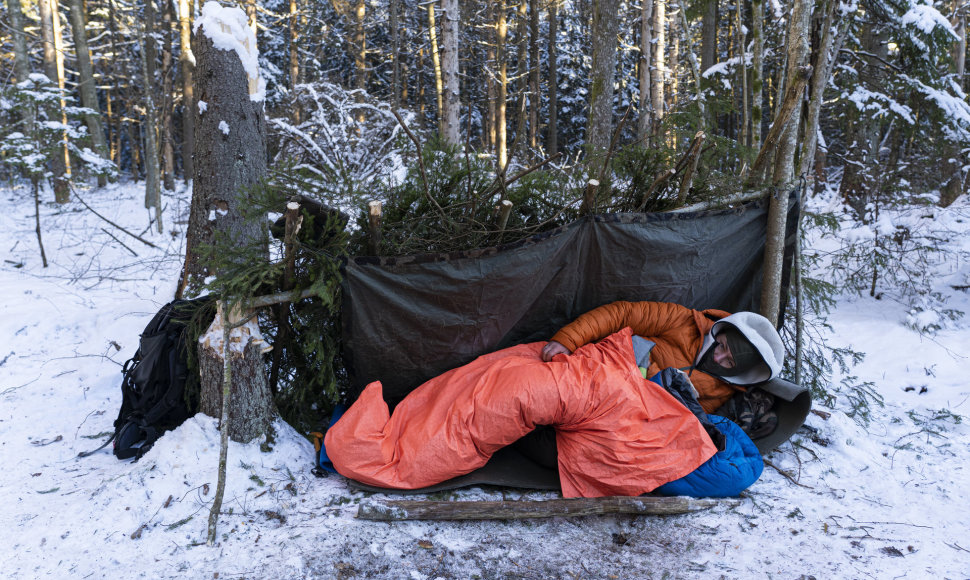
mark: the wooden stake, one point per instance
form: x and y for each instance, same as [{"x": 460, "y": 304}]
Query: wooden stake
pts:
[
  {"x": 374, "y": 219},
  {"x": 397, "y": 510},
  {"x": 504, "y": 211}
]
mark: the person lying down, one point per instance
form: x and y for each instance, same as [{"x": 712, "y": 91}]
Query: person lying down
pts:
[{"x": 616, "y": 433}]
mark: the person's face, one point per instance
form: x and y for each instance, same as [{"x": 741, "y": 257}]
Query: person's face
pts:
[{"x": 722, "y": 354}]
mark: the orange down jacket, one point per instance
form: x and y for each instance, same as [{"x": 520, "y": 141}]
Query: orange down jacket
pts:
[
  {"x": 616, "y": 433},
  {"x": 678, "y": 332}
]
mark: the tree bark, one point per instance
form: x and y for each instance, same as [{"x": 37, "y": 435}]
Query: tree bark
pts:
[
  {"x": 153, "y": 194},
  {"x": 436, "y": 64},
  {"x": 21, "y": 64},
  {"x": 533, "y": 74},
  {"x": 830, "y": 42},
  {"x": 86, "y": 86},
  {"x": 798, "y": 52},
  {"x": 451, "y": 101},
  {"x": 395, "y": 19},
  {"x": 250, "y": 408},
  {"x": 165, "y": 118},
  {"x": 604, "y": 38},
  {"x": 659, "y": 68},
  {"x": 53, "y": 68},
  {"x": 187, "y": 64},
  {"x": 226, "y": 163},
  {"x": 230, "y": 158},
  {"x": 552, "y": 129},
  {"x": 645, "y": 121},
  {"x": 708, "y": 46},
  {"x": 757, "y": 70},
  {"x": 501, "y": 38}
]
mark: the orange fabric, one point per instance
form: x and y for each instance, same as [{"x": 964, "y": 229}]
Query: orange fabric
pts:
[
  {"x": 616, "y": 433},
  {"x": 678, "y": 332}
]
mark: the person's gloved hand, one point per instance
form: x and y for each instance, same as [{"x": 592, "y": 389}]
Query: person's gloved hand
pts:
[{"x": 553, "y": 348}]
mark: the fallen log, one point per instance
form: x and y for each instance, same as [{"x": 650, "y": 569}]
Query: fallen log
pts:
[{"x": 398, "y": 510}]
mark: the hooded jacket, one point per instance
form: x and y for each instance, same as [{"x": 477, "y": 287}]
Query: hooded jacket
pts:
[{"x": 682, "y": 336}]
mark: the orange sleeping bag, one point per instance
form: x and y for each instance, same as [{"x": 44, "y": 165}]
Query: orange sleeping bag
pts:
[{"x": 616, "y": 433}]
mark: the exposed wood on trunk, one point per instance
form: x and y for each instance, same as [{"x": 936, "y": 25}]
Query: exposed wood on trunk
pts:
[
  {"x": 501, "y": 56},
  {"x": 436, "y": 62},
  {"x": 397, "y": 510},
  {"x": 250, "y": 407}
]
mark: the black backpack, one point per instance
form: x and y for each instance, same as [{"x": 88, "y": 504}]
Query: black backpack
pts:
[{"x": 153, "y": 386}]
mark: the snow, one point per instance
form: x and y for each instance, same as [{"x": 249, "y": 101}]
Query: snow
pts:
[
  {"x": 224, "y": 127},
  {"x": 879, "y": 499},
  {"x": 202, "y": 106},
  {"x": 228, "y": 28},
  {"x": 926, "y": 18}
]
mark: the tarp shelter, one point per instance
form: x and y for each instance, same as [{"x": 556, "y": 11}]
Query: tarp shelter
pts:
[{"x": 407, "y": 319}]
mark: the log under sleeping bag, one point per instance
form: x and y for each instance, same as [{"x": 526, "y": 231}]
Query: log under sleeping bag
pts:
[{"x": 617, "y": 433}]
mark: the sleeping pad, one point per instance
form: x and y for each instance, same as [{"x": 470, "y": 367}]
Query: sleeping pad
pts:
[{"x": 617, "y": 433}]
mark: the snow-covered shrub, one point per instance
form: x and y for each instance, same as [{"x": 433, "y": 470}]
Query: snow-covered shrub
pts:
[{"x": 345, "y": 143}]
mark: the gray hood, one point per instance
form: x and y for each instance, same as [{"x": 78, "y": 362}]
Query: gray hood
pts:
[{"x": 762, "y": 335}]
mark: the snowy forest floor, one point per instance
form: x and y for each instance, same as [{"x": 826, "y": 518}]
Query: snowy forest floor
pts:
[{"x": 841, "y": 500}]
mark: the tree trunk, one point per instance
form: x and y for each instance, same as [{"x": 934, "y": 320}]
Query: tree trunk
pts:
[
  {"x": 86, "y": 86},
  {"x": 708, "y": 46},
  {"x": 395, "y": 25},
  {"x": 187, "y": 63},
  {"x": 959, "y": 50},
  {"x": 165, "y": 118},
  {"x": 21, "y": 60},
  {"x": 552, "y": 129},
  {"x": 439, "y": 86},
  {"x": 604, "y": 38},
  {"x": 501, "y": 38},
  {"x": 695, "y": 69},
  {"x": 153, "y": 194},
  {"x": 521, "y": 76},
  {"x": 798, "y": 52},
  {"x": 451, "y": 101},
  {"x": 250, "y": 402},
  {"x": 49, "y": 24},
  {"x": 645, "y": 121},
  {"x": 534, "y": 74},
  {"x": 951, "y": 166},
  {"x": 830, "y": 42},
  {"x": 230, "y": 158},
  {"x": 659, "y": 68},
  {"x": 757, "y": 72},
  {"x": 743, "y": 79}
]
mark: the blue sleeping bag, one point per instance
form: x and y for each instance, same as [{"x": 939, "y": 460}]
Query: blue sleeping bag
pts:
[{"x": 726, "y": 474}]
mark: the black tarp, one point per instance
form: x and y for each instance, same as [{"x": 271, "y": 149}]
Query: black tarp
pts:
[{"x": 408, "y": 319}]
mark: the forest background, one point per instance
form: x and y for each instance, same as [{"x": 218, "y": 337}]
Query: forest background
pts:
[{"x": 475, "y": 123}]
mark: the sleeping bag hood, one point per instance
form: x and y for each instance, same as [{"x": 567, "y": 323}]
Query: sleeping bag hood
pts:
[{"x": 761, "y": 334}]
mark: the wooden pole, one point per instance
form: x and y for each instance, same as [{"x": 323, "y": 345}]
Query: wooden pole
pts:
[
  {"x": 398, "y": 510},
  {"x": 374, "y": 222},
  {"x": 504, "y": 211}
]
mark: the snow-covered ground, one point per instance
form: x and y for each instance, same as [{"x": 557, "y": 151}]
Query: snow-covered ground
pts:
[{"x": 839, "y": 501}]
